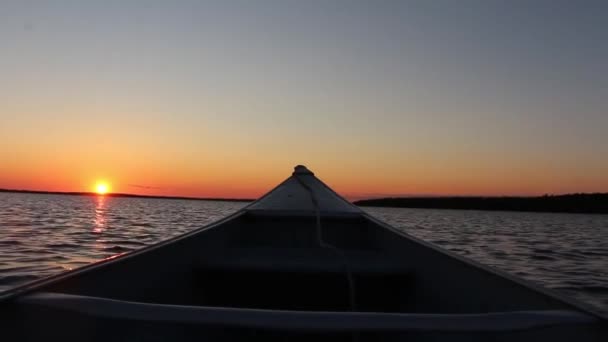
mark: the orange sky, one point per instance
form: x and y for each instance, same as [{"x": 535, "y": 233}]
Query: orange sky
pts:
[
  {"x": 153, "y": 155},
  {"x": 244, "y": 177}
]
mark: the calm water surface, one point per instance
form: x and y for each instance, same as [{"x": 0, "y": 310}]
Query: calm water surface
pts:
[{"x": 41, "y": 235}]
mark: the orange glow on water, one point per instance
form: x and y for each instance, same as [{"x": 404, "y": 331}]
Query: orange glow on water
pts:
[{"x": 100, "y": 217}]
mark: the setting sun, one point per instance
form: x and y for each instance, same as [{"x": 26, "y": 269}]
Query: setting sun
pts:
[{"x": 102, "y": 188}]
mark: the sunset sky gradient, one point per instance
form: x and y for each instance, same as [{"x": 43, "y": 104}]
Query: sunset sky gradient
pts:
[{"x": 223, "y": 98}]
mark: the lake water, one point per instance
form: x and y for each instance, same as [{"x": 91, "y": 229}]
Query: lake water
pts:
[{"x": 41, "y": 235}]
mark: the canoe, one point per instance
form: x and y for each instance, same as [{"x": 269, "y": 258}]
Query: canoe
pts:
[{"x": 300, "y": 263}]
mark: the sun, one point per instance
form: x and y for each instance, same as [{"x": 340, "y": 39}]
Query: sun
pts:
[{"x": 102, "y": 188}]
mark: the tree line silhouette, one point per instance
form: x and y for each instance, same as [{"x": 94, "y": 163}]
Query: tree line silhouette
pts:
[{"x": 570, "y": 203}]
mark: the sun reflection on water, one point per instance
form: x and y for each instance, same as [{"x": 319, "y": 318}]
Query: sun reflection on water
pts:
[{"x": 100, "y": 223}]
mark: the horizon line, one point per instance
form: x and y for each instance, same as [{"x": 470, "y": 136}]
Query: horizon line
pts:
[
  {"x": 228, "y": 199},
  {"x": 118, "y": 194}
]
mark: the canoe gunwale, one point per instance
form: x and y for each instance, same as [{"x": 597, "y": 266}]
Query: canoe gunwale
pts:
[{"x": 317, "y": 321}]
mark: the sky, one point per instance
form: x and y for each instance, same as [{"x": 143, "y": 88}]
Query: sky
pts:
[{"x": 378, "y": 98}]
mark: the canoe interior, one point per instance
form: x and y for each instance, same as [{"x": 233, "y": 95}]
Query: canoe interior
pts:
[{"x": 275, "y": 262}]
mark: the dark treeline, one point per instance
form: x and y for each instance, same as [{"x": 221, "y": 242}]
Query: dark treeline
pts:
[
  {"x": 126, "y": 195},
  {"x": 572, "y": 203}
]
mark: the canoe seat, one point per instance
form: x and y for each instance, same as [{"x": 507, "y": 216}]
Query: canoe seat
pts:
[
  {"x": 104, "y": 308},
  {"x": 315, "y": 260}
]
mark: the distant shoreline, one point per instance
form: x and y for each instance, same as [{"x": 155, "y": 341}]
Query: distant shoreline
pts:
[
  {"x": 594, "y": 203},
  {"x": 584, "y": 203},
  {"x": 126, "y": 195}
]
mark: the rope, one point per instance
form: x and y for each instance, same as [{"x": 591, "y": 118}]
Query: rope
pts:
[{"x": 323, "y": 244}]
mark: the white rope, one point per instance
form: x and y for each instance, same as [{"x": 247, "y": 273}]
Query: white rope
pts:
[{"x": 323, "y": 244}]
